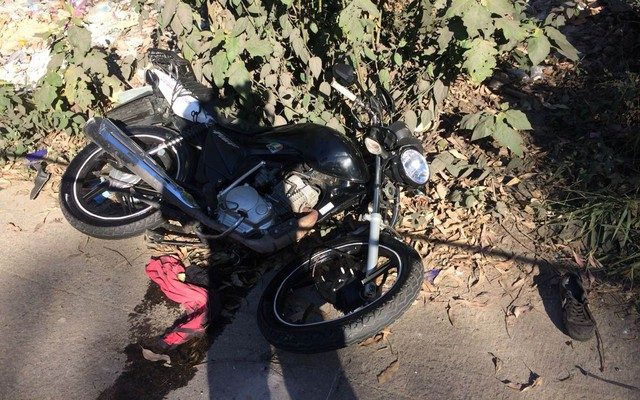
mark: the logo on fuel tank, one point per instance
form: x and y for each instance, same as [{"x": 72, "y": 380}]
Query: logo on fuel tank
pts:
[{"x": 274, "y": 147}]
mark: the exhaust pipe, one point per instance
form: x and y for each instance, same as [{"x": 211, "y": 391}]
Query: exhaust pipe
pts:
[{"x": 104, "y": 133}]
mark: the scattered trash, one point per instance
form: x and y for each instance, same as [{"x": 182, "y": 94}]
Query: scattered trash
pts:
[
  {"x": 108, "y": 20},
  {"x": 24, "y": 53},
  {"x": 41, "y": 179},
  {"x": 431, "y": 275},
  {"x": 36, "y": 156}
]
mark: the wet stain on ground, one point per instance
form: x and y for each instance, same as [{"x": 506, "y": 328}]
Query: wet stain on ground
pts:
[{"x": 143, "y": 379}]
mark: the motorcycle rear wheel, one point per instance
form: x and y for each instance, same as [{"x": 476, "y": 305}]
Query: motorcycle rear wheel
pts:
[
  {"x": 357, "y": 320},
  {"x": 93, "y": 206}
]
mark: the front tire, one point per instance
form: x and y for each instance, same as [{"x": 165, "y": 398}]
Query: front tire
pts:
[
  {"x": 355, "y": 325},
  {"x": 89, "y": 213}
]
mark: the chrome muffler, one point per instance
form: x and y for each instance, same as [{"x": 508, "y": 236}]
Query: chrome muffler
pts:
[{"x": 104, "y": 133}]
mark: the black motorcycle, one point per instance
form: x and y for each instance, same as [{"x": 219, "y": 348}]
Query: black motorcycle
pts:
[{"x": 264, "y": 190}]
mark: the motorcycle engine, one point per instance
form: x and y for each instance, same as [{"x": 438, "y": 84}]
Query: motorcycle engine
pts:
[
  {"x": 258, "y": 212},
  {"x": 244, "y": 202},
  {"x": 293, "y": 194}
]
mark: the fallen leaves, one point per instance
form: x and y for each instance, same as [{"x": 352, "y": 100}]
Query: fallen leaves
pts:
[
  {"x": 462, "y": 302},
  {"x": 517, "y": 311},
  {"x": 513, "y": 312},
  {"x": 151, "y": 356},
  {"x": 388, "y": 373},
  {"x": 534, "y": 381},
  {"x": 377, "y": 338},
  {"x": 497, "y": 363},
  {"x": 13, "y": 227}
]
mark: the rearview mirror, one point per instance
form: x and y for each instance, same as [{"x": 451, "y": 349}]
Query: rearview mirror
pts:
[
  {"x": 386, "y": 99},
  {"x": 344, "y": 74}
]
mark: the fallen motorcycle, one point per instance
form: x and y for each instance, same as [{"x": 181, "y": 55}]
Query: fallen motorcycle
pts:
[{"x": 264, "y": 190}]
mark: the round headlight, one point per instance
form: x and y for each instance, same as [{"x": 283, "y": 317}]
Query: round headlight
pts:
[{"x": 414, "y": 166}]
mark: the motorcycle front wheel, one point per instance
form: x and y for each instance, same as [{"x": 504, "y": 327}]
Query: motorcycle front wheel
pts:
[
  {"x": 319, "y": 303},
  {"x": 103, "y": 201}
]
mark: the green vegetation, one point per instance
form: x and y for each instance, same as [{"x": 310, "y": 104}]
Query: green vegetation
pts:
[{"x": 270, "y": 56}]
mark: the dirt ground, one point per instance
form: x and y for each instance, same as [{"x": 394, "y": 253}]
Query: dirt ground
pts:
[{"x": 73, "y": 310}]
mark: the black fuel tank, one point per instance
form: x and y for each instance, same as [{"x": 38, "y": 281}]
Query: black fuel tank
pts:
[{"x": 324, "y": 149}]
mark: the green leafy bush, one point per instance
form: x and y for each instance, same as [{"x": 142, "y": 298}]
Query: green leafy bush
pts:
[
  {"x": 502, "y": 126},
  {"x": 273, "y": 54},
  {"x": 270, "y": 57}
]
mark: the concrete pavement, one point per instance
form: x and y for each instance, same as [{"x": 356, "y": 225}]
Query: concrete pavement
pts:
[{"x": 71, "y": 307}]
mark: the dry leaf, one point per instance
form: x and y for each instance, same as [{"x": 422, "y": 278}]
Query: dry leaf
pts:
[
  {"x": 517, "y": 311},
  {"x": 579, "y": 259},
  {"x": 448, "y": 308},
  {"x": 380, "y": 336},
  {"x": 503, "y": 266},
  {"x": 441, "y": 190},
  {"x": 38, "y": 226},
  {"x": 372, "y": 340},
  {"x": 389, "y": 372},
  {"x": 458, "y": 155},
  {"x": 513, "y": 181},
  {"x": 593, "y": 262},
  {"x": 151, "y": 356},
  {"x": 518, "y": 282},
  {"x": 497, "y": 363},
  {"x": 469, "y": 303},
  {"x": 534, "y": 380},
  {"x": 13, "y": 227},
  {"x": 473, "y": 279}
]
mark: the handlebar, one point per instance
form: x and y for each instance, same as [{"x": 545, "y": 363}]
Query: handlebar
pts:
[
  {"x": 345, "y": 92},
  {"x": 348, "y": 94}
]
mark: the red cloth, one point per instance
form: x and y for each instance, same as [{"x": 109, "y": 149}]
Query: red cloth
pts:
[{"x": 164, "y": 271}]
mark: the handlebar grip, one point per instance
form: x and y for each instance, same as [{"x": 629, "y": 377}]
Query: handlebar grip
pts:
[{"x": 343, "y": 91}]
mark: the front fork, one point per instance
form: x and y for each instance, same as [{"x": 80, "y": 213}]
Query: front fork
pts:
[{"x": 375, "y": 226}]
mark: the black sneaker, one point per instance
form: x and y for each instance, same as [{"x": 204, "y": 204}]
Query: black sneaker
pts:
[{"x": 576, "y": 315}]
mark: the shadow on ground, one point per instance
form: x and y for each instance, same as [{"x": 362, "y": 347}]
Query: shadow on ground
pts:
[{"x": 235, "y": 363}]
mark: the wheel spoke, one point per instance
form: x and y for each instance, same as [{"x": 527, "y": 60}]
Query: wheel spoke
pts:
[
  {"x": 101, "y": 187},
  {"x": 377, "y": 272},
  {"x": 126, "y": 203},
  {"x": 145, "y": 190}
]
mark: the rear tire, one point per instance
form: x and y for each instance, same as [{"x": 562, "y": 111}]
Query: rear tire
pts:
[
  {"x": 354, "y": 327},
  {"x": 78, "y": 211}
]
